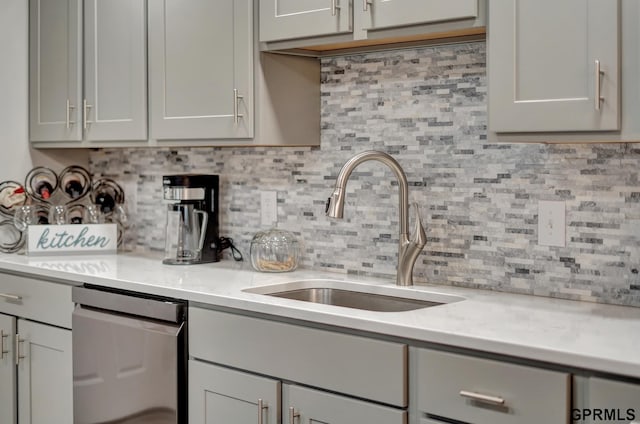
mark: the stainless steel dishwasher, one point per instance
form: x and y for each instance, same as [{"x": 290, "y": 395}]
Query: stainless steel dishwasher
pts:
[{"x": 129, "y": 358}]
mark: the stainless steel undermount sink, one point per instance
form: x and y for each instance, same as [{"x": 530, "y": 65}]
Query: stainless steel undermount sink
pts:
[{"x": 356, "y": 295}]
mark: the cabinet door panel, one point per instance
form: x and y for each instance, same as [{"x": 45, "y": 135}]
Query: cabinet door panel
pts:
[
  {"x": 55, "y": 57},
  {"x": 199, "y": 53},
  {"x": 317, "y": 407},
  {"x": 618, "y": 401},
  {"x": 115, "y": 69},
  {"x": 219, "y": 395},
  {"x": 542, "y": 65},
  {"x": 7, "y": 370},
  {"x": 394, "y": 13},
  {"x": 287, "y": 19},
  {"x": 45, "y": 381}
]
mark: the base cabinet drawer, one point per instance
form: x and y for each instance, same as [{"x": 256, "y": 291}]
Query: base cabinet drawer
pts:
[
  {"x": 34, "y": 299},
  {"x": 482, "y": 391},
  {"x": 353, "y": 365}
]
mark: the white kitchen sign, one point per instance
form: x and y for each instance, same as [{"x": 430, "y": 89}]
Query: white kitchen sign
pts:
[{"x": 71, "y": 239}]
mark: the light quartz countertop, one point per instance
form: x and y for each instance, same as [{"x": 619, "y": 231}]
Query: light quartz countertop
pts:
[{"x": 592, "y": 336}]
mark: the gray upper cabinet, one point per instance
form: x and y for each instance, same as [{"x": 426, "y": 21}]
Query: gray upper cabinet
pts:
[
  {"x": 554, "y": 72},
  {"x": 55, "y": 56},
  {"x": 380, "y": 14},
  {"x": 319, "y": 25},
  {"x": 285, "y": 19},
  {"x": 115, "y": 70},
  {"x": 201, "y": 69},
  {"x": 109, "y": 103}
]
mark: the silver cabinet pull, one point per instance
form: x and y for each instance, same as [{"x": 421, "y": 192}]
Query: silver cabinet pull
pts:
[
  {"x": 85, "y": 113},
  {"x": 366, "y": 4},
  {"x": 598, "y": 77},
  {"x": 293, "y": 415},
  {"x": 2, "y": 337},
  {"x": 18, "y": 356},
  {"x": 334, "y": 7},
  {"x": 69, "y": 108},
  {"x": 261, "y": 409},
  {"x": 12, "y": 297},
  {"x": 236, "y": 100},
  {"x": 479, "y": 397}
]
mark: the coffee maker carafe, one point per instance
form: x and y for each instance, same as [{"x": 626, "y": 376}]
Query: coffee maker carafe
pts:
[{"x": 191, "y": 234}]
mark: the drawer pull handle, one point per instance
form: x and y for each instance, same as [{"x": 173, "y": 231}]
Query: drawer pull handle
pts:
[
  {"x": 12, "y": 297},
  {"x": 366, "y": 4},
  {"x": 2, "y": 337},
  {"x": 492, "y": 400},
  {"x": 236, "y": 106},
  {"x": 85, "y": 114},
  {"x": 293, "y": 415},
  {"x": 69, "y": 122},
  {"x": 598, "y": 77},
  {"x": 18, "y": 356},
  {"x": 334, "y": 7},
  {"x": 261, "y": 409}
]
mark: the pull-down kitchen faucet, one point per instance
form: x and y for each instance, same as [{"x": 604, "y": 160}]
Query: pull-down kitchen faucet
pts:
[{"x": 408, "y": 250}]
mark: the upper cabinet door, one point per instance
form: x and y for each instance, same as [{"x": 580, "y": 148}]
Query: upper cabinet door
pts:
[
  {"x": 549, "y": 61},
  {"x": 200, "y": 69},
  {"x": 286, "y": 19},
  {"x": 115, "y": 103},
  {"x": 55, "y": 86},
  {"x": 381, "y": 14}
]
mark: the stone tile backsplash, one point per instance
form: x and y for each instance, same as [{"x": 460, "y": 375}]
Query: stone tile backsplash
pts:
[{"x": 479, "y": 200}]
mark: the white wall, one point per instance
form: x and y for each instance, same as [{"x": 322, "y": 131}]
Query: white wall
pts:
[{"x": 16, "y": 157}]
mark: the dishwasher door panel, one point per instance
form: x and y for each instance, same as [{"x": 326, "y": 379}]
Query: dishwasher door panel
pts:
[{"x": 124, "y": 368}]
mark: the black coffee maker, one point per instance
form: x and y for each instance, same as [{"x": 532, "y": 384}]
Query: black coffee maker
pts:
[{"x": 191, "y": 235}]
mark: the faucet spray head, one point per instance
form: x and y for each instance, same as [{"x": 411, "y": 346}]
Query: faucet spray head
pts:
[{"x": 335, "y": 204}]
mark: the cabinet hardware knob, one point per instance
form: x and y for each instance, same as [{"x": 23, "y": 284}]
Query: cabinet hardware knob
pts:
[
  {"x": 293, "y": 415},
  {"x": 479, "y": 397},
  {"x": 598, "y": 80}
]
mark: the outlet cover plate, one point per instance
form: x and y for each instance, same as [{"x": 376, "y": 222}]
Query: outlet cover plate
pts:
[
  {"x": 552, "y": 223},
  {"x": 268, "y": 208}
]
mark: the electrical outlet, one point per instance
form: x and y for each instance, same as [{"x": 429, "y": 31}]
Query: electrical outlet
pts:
[
  {"x": 551, "y": 223},
  {"x": 268, "y": 208}
]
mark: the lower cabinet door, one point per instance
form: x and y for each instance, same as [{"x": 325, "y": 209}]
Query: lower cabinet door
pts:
[
  {"x": 303, "y": 405},
  {"x": 7, "y": 370},
  {"x": 220, "y": 395},
  {"x": 611, "y": 402},
  {"x": 45, "y": 376}
]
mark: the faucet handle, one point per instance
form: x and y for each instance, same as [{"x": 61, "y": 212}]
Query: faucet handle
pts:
[{"x": 420, "y": 237}]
